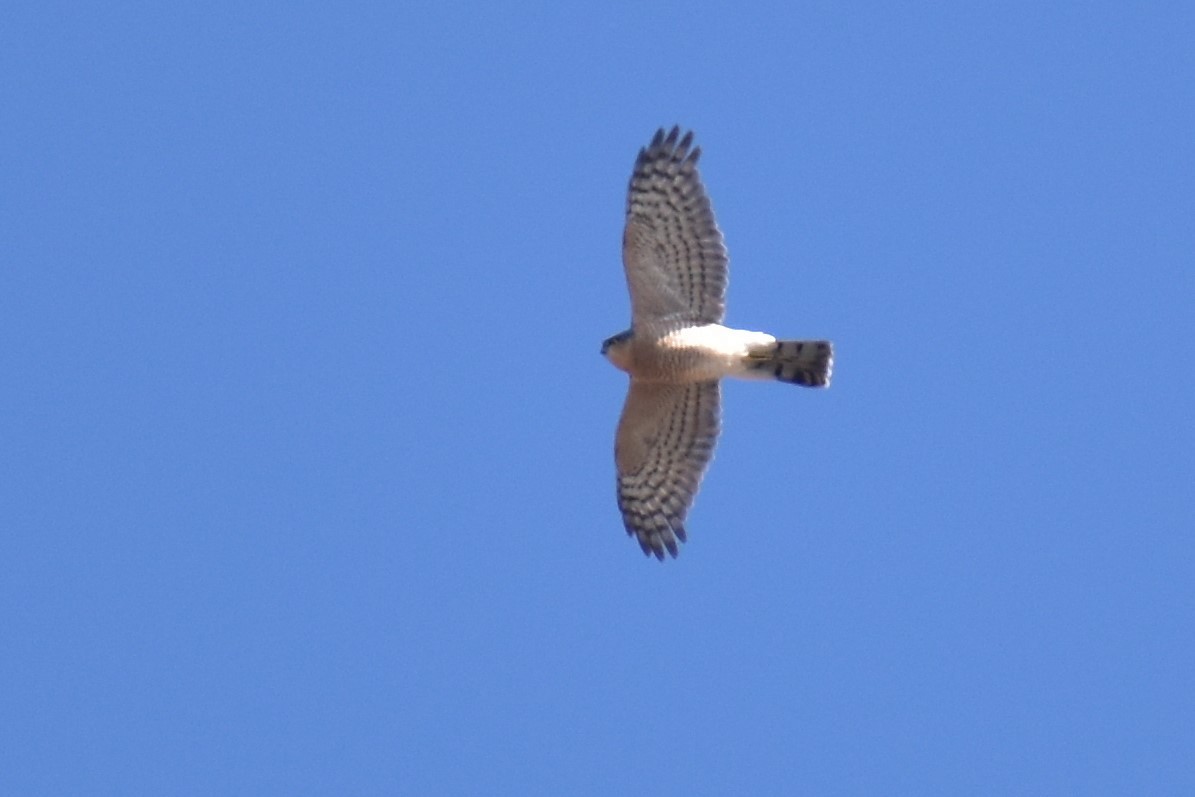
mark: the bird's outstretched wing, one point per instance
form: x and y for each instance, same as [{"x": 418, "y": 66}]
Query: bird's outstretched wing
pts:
[
  {"x": 665, "y": 440},
  {"x": 672, "y": 250}
]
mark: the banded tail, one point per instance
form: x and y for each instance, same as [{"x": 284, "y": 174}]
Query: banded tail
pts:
[{"x": 798, "y": 362}]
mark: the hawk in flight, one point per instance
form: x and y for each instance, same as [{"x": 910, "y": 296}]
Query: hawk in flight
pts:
[{"x": 677, "y": 349}]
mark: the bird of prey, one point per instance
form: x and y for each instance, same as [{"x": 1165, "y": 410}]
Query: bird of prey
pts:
[{"x": 677, "y": 349}]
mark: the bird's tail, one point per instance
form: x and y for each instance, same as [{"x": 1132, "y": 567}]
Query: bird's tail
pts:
[{"x": 798, "y": 362}]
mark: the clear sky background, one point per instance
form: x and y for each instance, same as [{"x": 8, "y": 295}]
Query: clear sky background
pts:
[{"x": 306, "y": 476}]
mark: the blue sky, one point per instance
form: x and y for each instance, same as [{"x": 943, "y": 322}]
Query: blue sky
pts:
[{"x": 306, "y": 477}]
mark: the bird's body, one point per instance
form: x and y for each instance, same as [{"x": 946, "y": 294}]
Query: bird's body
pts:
[
  {"x": 687, "y": 353},
  {"x": 677, "y": 348}
]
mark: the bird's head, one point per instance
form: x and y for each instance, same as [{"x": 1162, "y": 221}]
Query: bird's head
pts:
[{"x": 617, "y": 349}]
